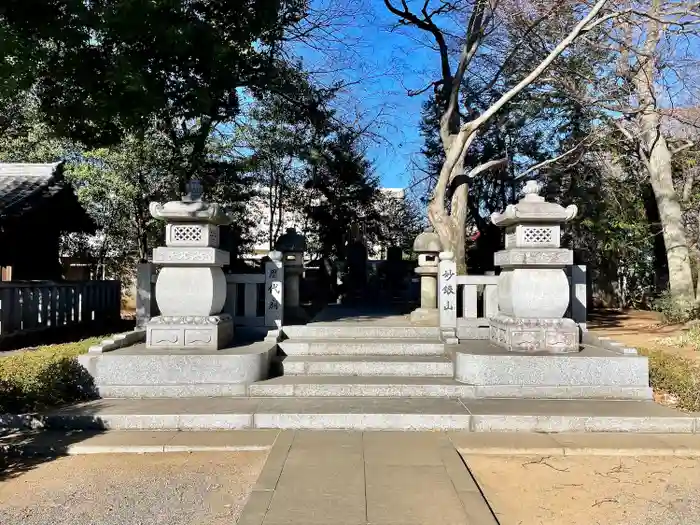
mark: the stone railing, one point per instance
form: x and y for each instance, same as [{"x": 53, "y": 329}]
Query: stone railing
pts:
[
  {"x": 466, "y": 302},
  {"x": 251, "y": 299},
  {"x": 34, "y": 306}
]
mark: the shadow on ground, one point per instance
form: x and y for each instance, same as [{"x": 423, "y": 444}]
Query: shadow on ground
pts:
[
  {"x": 601, "y": 319},
  {"x": 22, "y": 450},
  {"x": 364, "y": 311}
]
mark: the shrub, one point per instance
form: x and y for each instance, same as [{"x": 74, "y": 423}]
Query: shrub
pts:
[
  {"x": 675, "y": 375},
  {"x": 44, "y": 377},
  {"x": 675, "y": 310}
]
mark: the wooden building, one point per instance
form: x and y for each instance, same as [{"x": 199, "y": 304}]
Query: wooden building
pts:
[{"x": 37, "y": 205}]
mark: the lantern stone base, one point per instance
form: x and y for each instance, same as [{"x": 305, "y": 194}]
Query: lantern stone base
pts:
[
  {"x": 210, "y": 332},
  {"x": 556, "y": 336}
]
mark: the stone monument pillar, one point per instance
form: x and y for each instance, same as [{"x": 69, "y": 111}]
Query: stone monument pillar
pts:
[
  {"x": 292, "y": 245},
  {"x": 427, "y": 245},
  {"x": 191, "y": 286},
  {"x": 533, "y": 289}
]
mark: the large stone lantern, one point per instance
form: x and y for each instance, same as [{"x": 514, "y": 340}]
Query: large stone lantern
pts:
[
  {"x": 191, "y": 285},
  {"x": 427, "y": 245},
  {"x": 533, "y": 289},
  {"x": 292, "y": 245}
]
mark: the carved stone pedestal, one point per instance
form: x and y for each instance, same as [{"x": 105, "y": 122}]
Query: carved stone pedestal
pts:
[
  {"x": 533, "y": 290},
  {"x": 534, "y": 335},
  {"x": 211, "y": 332},
  {"x": 191, "y": 286}
]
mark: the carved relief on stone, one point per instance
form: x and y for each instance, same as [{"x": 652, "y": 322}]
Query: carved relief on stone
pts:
[
  {"x": 203, "y": 320},
  {"x": 557, "y": 339},
  {"x": 190, "y": 255},
  {"x": 165, "y": 337},
  {"x": 195, "y": 337},
  {"x": 540, "y": 257},
  {"x": 530, "y": 341}
]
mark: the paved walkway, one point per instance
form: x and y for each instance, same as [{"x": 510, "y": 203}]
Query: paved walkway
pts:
[
  {"x": 353, "y": 478},
  {"x": 387, "y": 478}
]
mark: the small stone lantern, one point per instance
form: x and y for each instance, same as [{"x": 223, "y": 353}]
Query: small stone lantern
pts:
[
  {"x": 191, "y": 285},
  {"x": 533, "y": 289},
  {"x": 292, "y": 245},
  {"x": 427, "y": 245}
]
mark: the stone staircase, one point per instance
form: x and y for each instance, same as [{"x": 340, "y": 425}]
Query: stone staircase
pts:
[
  {"x": 356, "y": 360},
  {"x": 368, "y": 372}
]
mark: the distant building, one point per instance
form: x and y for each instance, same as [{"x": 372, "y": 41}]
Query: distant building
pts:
[
  {"x": 37, "y": 206},
  {"x": 259, "y": 211}
]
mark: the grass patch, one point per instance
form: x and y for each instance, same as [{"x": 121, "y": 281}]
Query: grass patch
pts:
[
  {"x": 688, "y": 339},
  {"x": 675, "y": 376},
  {"x": 44, "y": 377}
]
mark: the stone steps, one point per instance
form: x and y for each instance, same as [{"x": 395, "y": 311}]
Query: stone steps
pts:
[
  {"x": 350, "y": 386},
  {"x": 441, "y": 387},
  {"x": 314, "y": 346},
  {"x": 355, "y": 330},
  {"x": 368, "y": 365},
  {"x": 485, "y": 415}
]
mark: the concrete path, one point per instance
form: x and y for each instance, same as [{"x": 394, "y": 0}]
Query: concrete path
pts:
[
  {"x": 354, "y": 478},
  {"x": 360, "y": 478}
]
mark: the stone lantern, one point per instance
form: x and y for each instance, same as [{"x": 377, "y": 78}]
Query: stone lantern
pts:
[
  {"x": 533, "y": 289},
  {"x": 427, "y": 245},
  {"x": 191, "y": 285},
  {"x": 292, "y": 245}
]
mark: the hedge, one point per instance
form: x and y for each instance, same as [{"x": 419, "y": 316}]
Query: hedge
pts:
[
  {"x": 675, "y": 375},
  {"x": 45, "y": 377}
]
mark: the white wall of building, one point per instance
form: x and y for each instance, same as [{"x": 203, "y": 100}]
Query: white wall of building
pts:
[{"x": 258, "y": 209}]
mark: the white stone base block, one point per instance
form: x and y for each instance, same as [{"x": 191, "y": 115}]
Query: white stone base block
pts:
[
  {"x": 212, "y": 332},
  {"x": 534, "y": 335},
  {"x": 139, "y": 372},
  {"x": 425, "y": 315}
]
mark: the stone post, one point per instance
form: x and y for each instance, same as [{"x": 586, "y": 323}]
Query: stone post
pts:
[
  {"x": 533, "y": 289},
  {"x": 447, "y": 292},
  {"x": 292, "y": 245},
  {"x": 427, "y": 245},
  {"x": 144, "y": 292},
  {"x": 579, "y": 295},
  {"x": 191, "y": 286},
  {"x": 274, "y": 291}
]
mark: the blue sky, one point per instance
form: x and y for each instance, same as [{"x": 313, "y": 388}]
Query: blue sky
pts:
[{"x": 381, "y": 65}]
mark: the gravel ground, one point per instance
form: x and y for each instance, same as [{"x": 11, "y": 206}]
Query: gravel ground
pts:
[
  {"x": 590, "y": 490},
  {"x": 126, "y": 489}
]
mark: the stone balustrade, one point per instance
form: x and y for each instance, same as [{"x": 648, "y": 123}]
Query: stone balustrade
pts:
[
  {"x": 473, "y": 299},
  {"x": 254, "y": 299}
]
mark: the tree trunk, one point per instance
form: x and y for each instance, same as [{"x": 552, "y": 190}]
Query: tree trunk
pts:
[
  {"x": 680, "y": 276},
  {"x": 459, "y": 210},
  {"x": 656, "y": 154},
  {"x": 660, "y": 262}
]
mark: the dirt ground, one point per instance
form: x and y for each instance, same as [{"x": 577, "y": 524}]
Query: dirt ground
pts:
[
  {"x": 639, "y": 329},
  {"x": 131, "y": 489},
  {"x": 590, "y": 490}
]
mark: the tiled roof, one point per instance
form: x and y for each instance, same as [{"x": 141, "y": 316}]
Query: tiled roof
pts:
[
  {"x": 39, "y": 191},
  {"x": 20, "y": 183}
]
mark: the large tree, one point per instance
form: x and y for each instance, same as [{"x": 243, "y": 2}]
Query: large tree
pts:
[
  {"x": 643, "y": 77},
  {"x": 485, "y": 46},
  {"x": 104, "y": 69}
]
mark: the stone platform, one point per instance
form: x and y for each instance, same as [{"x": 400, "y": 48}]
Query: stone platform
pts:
[
  {"x": 137, "y": 371},
  {"x": 594, "y": 372},
  {"x": 483, "y": 415}
]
